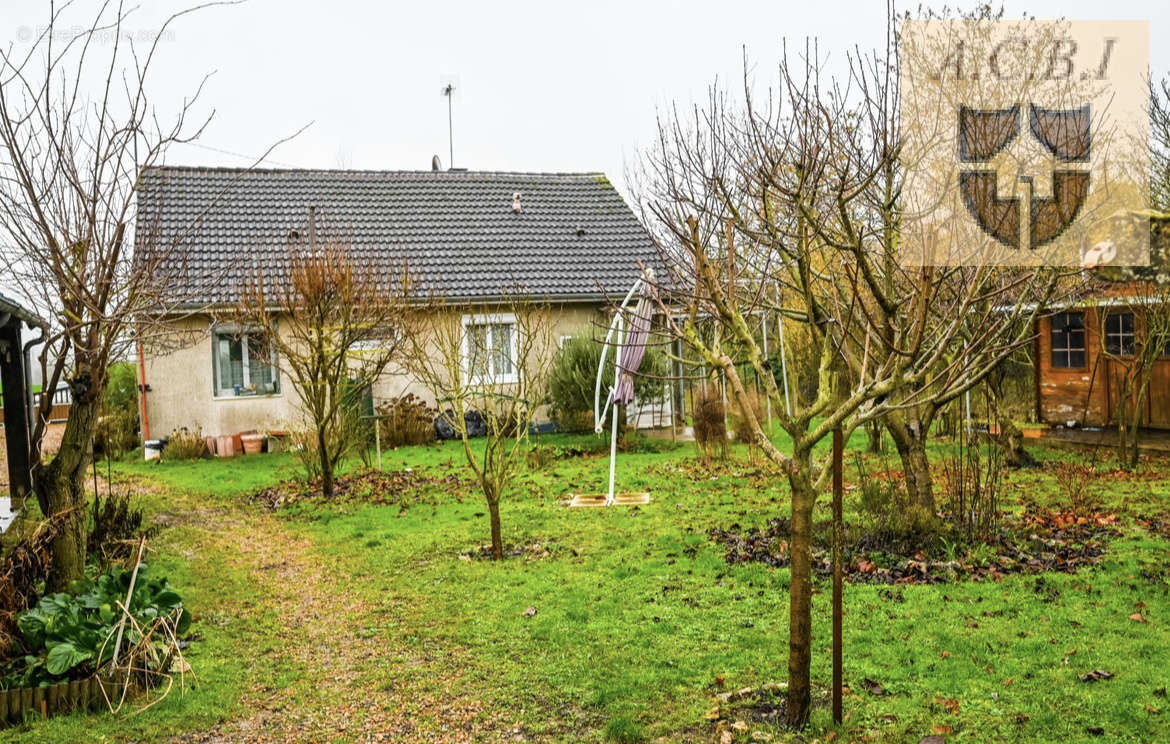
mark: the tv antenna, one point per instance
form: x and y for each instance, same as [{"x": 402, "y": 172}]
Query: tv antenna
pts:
[{"x": 449, "y": 83}]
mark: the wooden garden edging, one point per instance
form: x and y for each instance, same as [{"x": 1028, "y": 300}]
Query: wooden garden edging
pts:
[{"x": 59, "y": 699}]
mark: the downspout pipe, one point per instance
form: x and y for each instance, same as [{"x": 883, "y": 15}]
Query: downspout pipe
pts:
[
  {"x": 24, "y": 358},
  {"x": 142, "y": 388}
]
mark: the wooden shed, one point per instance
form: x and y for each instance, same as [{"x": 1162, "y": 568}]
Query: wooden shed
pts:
[
  {"x": 16, "y": 403},
  {"x": 1077, "y": 383}
]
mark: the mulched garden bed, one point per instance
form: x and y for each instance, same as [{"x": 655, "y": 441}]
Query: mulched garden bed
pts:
[
  {"x": 1037, "y": 541},
  {"x": 367, "y": 486}
]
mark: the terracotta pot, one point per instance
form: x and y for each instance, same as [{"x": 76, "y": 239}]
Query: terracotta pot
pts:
[
  {"x": 224, "y": 446},
  {"x": 237, "y": 443},
  {"x": 253, "y": 443},
  {"x": 210, "y": 443}
]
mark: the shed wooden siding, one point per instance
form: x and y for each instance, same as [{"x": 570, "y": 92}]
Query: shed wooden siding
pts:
[{"x": 1087, "y": 395}]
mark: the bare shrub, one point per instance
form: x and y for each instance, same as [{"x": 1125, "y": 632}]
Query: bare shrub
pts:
[
  {"x": 1077, "y": 482},
  {"x": 741, "y": 424},
  {"x": 304, "y": 449},
  {"x": 23, "y": 571},
  {"x": 117, "y": 527},
  {"x": 184, "y": 445},
  {"x": 408, "y": 421},
  {"x": 710, "y": 422},
  {"x": 971, "y": 488}
]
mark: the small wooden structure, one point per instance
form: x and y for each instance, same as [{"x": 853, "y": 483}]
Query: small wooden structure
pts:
[
  {"x": 1077, "y": 382},
  {"x": 17, "y": 402}
]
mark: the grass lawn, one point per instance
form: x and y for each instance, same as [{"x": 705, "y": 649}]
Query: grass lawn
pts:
[{"x": 353, "y": 620}]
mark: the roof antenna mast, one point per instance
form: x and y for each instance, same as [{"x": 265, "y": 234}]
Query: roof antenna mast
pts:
[{"x": 449, "y": 84}]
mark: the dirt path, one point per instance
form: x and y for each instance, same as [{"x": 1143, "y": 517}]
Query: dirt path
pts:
[{"x": 324, "y": 635}]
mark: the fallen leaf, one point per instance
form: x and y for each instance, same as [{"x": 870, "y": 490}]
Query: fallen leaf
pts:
[
  {"x": 873, "y": 687},
  {"x": 1095, "y": 675},
  {"x": 946, "y": 654},
  {"x": 1008, "y": 682},
  {"x": 719, "y": 680},
  {"x": 529, "y": 612},
  {"x": 1138, "y": 617},
  {"x": 739, "y": 726},
  {"x": 1151, "y": 709},
  {"x": 1020, "y": 718},
  {"x": 942, "y": 728},
  {"x": 951, "y": 705},
  {"x": 726, "y": 737},
  {"x": 714, "y": 714}
]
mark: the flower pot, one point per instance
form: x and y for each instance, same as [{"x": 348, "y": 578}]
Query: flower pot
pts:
[
  {"x": 224, "y": 446},
  {"x": 253, "y": 443}
]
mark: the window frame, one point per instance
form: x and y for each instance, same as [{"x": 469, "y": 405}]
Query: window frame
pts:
[
  {"x": 233, "y": 333},
  {"x": 1067, "y": 349},
  {"x": 489, "y": 320},
  {"x": 1121, "y": 334}
]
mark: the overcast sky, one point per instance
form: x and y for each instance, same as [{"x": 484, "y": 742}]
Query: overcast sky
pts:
[{"x": 542, "y": 86}]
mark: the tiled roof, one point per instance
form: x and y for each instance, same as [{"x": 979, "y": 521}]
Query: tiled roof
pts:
[{"x": 575, "y": 237}]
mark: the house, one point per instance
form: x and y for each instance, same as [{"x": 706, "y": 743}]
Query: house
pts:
[
  {"x": 471, "y": 237},
  {"x": 1080, "y": 351}
]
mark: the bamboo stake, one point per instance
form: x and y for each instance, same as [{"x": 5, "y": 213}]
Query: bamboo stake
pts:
[{"x": 129, "y": 595}]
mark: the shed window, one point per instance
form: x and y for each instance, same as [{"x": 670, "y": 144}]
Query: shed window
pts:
[
  {"x": 1068, "y": 340},
  {"x": 1119, "y": 334},
  {"x": 243, "y": 364}
]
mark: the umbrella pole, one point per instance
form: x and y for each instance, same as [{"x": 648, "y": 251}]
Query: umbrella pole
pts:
[{"x": 617, "y": 360}]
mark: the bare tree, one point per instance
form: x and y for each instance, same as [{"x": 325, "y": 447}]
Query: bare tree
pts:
[
  {"x": 334, "y": 323},
  {"x": 1160, "y": 146},
  {"x": 794, "y": 207},
  {"x": 490, "y": 366},
  {"x": 76, "y": 127}
]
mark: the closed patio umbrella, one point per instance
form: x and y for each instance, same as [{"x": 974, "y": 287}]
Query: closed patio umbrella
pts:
[{"x": 632, "y": 349}]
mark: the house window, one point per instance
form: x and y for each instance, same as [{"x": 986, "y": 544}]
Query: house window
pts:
[
  {"x": 1068, "y": 340},
  {"x": 243, "y": 365},
  {"x": 1119, "y": 334},
  {"x": 489, "y": 348}
]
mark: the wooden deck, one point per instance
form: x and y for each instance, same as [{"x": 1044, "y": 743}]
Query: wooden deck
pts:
[{"x": 1150, "y": 441}]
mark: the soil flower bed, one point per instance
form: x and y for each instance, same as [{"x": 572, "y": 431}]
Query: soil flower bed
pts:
[{"x": 1037, "y": 541}]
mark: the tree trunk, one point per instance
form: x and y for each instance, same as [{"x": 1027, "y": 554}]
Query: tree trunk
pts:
[
  {"x": 910, "y": 441},
  {"x": 497, "y": 536},
  {"x": 326, "y": 464},
  {"x": 873, "y": 433},
  {"x": 1011, "y": 440},
  {"x": 61, "y": 486},
  {"x": 800, "y": 595}
]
